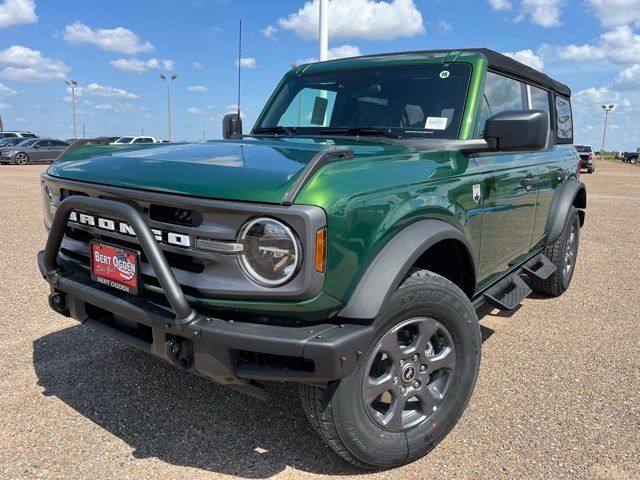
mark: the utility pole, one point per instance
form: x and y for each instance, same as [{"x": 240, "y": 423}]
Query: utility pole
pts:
[
  {"x": 323, "y": 37},
  {"x": 73, "y": 84},
  {"x": 83, "y": 134},
  {"x": 607, "y": 109},
  {"x": 168, "y": 82}
]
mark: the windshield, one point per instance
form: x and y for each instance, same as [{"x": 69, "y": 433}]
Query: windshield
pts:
[
  {"x": 124, "y": 140},
  {"x": 583, "y": 148},
  {"x": 424, "y": 101}
]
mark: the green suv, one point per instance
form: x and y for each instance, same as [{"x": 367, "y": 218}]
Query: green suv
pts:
[{"x": 345, "y": 244}]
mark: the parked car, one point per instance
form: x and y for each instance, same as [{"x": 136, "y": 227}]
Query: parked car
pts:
[
  {"x": 10, "y": 141},
  {"x": 631, "y": 157},
  {"x": 33, "y": 150},
  {"x": 21, "y": 134},
  {"x": 344, "y": 244},
  {"x": 132, "y": 140},
  {"x": 587, "y": 158},
  {"x": 102, "y": 140}
]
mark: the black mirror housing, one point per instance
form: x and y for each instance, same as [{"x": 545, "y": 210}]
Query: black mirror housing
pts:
[
  {"x": 516, "y": 130},
  {"x": 231, "y": 125}
]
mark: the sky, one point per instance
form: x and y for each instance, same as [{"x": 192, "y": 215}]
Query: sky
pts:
[{"x": 116, "y": 51}]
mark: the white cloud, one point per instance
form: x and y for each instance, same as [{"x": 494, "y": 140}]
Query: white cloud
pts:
[
  {"x": 500, "y": 4},
  {"x": 528, "y": 57},
  {"x": 247, "y": 62},
  {"x": 23, "y": 64},
  {"x": 103, "y": 91},
  {"x": 444, "y": 25},
  {"x": 616, "y": 12},
  {"x": 620, "y": 45},
  {"x": 545, "y": 13},
  {"x": 596, "y": 96},
  {"x": 139, "y": 66},
  {"x": 196, "y": 111},
  {"x": 17, "y": 12},
  {"x": 197, "y": 65},
  {"x": 6, "y": 91},
  {"x": 629, "y": 78},
  {"x": 270, "y": 32},
  {"x": 114, "y": 39},
  {"x": 198, "y": 89},
  {"x": 116, "y": 107},
  {"x": 20, "y": 120},
  {"x": 367, "y": 19},
  {"x": 342, "y": 51}
]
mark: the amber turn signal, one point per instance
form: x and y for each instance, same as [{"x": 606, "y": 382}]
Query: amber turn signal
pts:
[{"x": 321, "y": 249}]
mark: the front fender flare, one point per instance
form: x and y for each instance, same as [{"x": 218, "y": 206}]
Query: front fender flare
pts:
[
  {"x": 573, "y": 193},
  {"x": 384, "y": 275}
]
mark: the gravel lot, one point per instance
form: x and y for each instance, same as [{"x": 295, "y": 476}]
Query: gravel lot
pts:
[{"x": 558, "y": 393}]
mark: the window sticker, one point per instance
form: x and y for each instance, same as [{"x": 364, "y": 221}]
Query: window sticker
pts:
[
  {"x": 445, "y": 74},
  {"x": 436, "y": 123}
]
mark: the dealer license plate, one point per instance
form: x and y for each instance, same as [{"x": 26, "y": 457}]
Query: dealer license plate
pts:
[{"x": 116, "y": 267}]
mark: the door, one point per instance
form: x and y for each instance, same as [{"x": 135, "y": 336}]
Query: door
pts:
[
  {"x": 56, "y": 148},
  {"x": 508, "y": 188},
  {"x": 40, "y": 151}
]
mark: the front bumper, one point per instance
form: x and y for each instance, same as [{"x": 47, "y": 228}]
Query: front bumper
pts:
[{"x": 232, "y": 353}]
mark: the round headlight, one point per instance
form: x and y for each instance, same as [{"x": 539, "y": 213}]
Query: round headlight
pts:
[
  {"x": 271, "y": 252},
  {"x": 47, "y": 205}
]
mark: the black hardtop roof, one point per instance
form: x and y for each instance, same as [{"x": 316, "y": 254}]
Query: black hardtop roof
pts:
[{"x": 500, "y": 63}]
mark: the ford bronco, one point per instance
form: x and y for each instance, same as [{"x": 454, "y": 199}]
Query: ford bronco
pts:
[{"x": 344, "y": 244}]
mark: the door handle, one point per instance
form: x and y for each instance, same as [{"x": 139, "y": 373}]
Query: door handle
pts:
[{"x": 530, "y": 181}]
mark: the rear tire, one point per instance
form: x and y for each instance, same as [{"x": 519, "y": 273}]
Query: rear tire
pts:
[
  {"x": 411, "y": 385},
  {"x": 563, "y": 253},
  {"x": 633, "y": 160}
]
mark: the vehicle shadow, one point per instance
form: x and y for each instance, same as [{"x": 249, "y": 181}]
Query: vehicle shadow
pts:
[{"x": 177, "y": 417}]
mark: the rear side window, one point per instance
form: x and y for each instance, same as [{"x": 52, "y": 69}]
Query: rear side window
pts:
[
  {"x": 564, "y": 133},
  {"x": 500, "y": 94}
]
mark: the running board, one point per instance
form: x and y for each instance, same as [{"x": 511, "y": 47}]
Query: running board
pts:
[
  {"x": 539, "y": 268},
  {"x": 508, "y": 293}
]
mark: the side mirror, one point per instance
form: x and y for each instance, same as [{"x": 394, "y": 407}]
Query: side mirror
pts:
[
  {"x": 515, "y": 130},
  {"x": 36, "y": 146},
  {"x": 231, "y": 125}
]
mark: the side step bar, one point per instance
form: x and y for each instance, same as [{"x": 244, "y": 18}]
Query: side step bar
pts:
[{"x": 509, "y": 292}]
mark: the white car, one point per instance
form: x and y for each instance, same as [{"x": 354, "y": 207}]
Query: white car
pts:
[
  {"x": 131, "y": 140},
  {"x": 14, "y": 134}
]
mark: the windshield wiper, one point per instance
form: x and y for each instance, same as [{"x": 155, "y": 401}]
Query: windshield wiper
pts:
[
  {"x": 288, "y": 131},
  {"x": 386, "y": 132}
]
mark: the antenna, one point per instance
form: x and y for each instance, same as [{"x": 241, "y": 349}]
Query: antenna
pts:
[{"x": 239, "y": 63}]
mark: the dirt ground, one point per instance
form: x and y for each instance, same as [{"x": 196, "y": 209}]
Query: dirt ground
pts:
[{"x": 558, "y": 393}]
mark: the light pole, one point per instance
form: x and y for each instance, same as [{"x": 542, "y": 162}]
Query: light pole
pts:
[
  {"x": 323, "y": 34},
  {"x": 72, "y": 85},
  {"x": 168, "y": 82},
  {"x": 607, "y": 109}
]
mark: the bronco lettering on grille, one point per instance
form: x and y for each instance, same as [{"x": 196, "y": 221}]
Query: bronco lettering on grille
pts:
[{"x": 163, "y": 236}]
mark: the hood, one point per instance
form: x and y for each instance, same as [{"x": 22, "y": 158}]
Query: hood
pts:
[{"x": 252, "y": 170}]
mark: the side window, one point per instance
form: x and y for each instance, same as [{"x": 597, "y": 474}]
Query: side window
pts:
[
  {"x": 538, "y": 99},
  {"x": 56, "y": 143},
  {"x": 311, "y": 107},
  {"x": 564, "y": 132},
  {"x": 43, "y": 143},
  {"x": 500, "y": 94}
]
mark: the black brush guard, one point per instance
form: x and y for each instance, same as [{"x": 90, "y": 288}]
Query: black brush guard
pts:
[{"x": 208, "y": 346}]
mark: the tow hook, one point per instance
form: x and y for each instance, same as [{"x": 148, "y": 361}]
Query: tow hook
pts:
[
  {"x": 178, "y": 352},
  {"x": 58, "y": 302}
]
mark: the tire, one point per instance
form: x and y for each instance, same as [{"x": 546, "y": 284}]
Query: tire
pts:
[
  {"x": 563, "y": 254},
  {"x": 633, "y": 160},
  {"x": 21, "y": 158},
  {"x": 438, "y": 378}
]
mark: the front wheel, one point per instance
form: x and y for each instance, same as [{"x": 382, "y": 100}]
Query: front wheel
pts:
[
  {"x": 633, "y": 160},
  {"x": 412, "y": 384},
  {"x": 22, "y": 158}
]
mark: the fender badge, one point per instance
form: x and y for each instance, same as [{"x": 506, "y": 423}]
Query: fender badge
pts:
[{"x": 476, "y": 193}]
